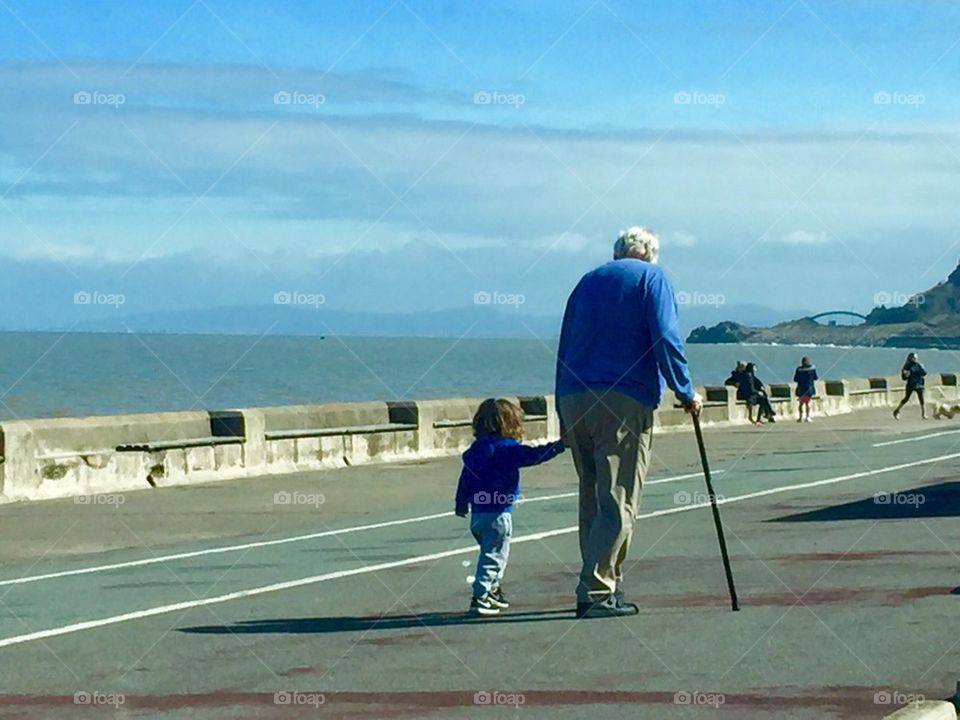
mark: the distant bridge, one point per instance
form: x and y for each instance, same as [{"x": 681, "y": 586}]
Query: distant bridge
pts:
[{"x": 842, "y": 313}]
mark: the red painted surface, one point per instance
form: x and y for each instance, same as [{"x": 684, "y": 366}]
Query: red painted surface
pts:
[
  {"x": 404, "y": 639},
  {"x": 859, "y": 556},
  {"x": 877, "y": 597},
  {"x": 846, "y": 698}
]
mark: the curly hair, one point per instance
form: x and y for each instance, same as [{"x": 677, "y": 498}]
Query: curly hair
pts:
[
  {"x": 637, "y": 242},
  {"x": 498, "y": 416}
]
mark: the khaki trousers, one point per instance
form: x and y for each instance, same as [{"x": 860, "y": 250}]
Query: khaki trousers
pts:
[{"x": 611, "y": 437}]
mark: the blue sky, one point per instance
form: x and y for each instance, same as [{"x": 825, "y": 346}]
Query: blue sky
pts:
[{"x": 406, "y": 155}]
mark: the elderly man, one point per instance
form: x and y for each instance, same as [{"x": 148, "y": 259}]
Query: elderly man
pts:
[{"x": 618, "y": 344}]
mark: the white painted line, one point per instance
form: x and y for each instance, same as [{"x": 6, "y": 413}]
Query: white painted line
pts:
[
  {"x": 367, "y": 569},
  {"x": 917, "y": 439},
  {"x": 682, "y": 477},
  {"x": 219, "y": 550},
  {"x": 283, "y": 541}
]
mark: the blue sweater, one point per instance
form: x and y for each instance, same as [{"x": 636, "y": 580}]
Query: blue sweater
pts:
[
  {"x": 620, "y": 333},
  {"x": 490, "y": 480},
  {"x": 806, "y": 380}
]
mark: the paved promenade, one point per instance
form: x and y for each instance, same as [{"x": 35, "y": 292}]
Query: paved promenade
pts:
[{"x": 342, "y": 593}]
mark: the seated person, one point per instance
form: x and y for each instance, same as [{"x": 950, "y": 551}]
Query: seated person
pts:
[{"x": 758, "y": 396}]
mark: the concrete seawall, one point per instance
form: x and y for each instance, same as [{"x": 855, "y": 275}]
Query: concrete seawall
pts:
[{"x": 64, "y": 457}]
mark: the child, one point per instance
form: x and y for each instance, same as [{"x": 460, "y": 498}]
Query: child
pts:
[
  {"x": 806, "y": 379},
  {"x": 914, "y": 373},
  {"x": 490, "y": 484}
]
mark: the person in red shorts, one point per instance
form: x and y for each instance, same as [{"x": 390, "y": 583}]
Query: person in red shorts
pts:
[{"x": 806, "y": 379}]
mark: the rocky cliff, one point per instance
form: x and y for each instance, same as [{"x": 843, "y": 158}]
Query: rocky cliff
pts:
[{"x": 927, "y": 320}]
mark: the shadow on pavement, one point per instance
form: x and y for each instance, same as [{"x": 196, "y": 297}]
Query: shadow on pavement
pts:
[
  {"x": 320, "y": 626},
  {"x": 930, "y": 501}
]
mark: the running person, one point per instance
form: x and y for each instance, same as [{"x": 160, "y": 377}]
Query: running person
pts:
[{"x": 914, "y": 373}]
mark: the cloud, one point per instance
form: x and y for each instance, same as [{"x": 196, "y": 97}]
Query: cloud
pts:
[
  {"x": 803, "y": 237},
  {"x": 220, "y": 88},
  {"x": 571, "y": 242},
  {"x": 201, "y": 162},
  {"x": 680, "y": 239}
]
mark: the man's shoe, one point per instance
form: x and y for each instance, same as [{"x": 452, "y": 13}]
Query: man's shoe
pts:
[
  {"x": 498, "y": 599},
  {"x": 606, "y": 608},
  {"x": 483, "y": 606}
]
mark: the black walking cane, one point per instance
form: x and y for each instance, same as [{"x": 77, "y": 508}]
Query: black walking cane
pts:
[{"x": 716, "y": 513}]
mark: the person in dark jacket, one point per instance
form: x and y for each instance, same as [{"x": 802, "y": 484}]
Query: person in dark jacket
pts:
[
  {"x": 743, "y": 382},
  {"x": 914, "y": 374},
  {"x": 758, "y": 396},
  {"x": 489, "y": 486},
  {"x": 806, "y": 379},
  {"x": 736, "y": 378}
]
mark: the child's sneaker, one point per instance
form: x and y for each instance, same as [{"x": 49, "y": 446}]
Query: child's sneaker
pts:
[
  {"x": 483, "y": 606},
  {"x": 498, "y": 599}
]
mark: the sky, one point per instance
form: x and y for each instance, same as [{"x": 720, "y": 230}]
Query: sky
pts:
[{"x": 410, "y": 156}]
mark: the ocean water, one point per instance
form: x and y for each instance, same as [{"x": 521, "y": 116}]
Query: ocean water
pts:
[{"x": 52, "y": 375}]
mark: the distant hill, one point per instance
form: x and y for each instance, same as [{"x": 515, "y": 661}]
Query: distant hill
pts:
[{"x": 927, "y": 320}]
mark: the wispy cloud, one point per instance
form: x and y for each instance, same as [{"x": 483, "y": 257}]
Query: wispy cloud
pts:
[
  {"x": 801, "y": 237},
  {"x": 384, "y": 165}
]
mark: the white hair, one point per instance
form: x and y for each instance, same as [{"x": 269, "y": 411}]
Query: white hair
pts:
[{"x": 637, "y": 242}]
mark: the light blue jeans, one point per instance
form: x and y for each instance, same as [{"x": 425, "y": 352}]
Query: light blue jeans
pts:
[{"x": 493, "y": 532}]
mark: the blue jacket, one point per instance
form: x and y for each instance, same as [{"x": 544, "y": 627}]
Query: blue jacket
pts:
[
  {"x": 620, "y": 333},
  {"x": 490, "y": 480},
  {"x": 806, "y": 380}
]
